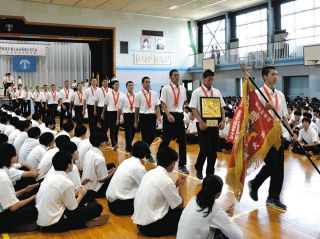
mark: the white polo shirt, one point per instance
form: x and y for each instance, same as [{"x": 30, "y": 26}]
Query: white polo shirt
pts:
[
  {"x": 141, "y": 102},
  {"x": 8, "y": 130},
  {"x": 26, "y": 148},
  {"x": 77, "y": 98},
  {"x": 94, "y": 168},
  {"x": 44, "y": 96},
  {"x": 76, "y": 140},
  {"x": 27, "y": 95},
  {"x": 125, "y": 105},
  {"x": 19, "y": 140},
  {"x": 100, "y": 95},
  {"x": 14, "y": 95},
  {"x": 52, "y": 97},
  {"x": 168, "y": 97},
  {"x": 46, "y": 129},
  {"x": 65, "y": 95},
  {"x": 83, "y": 148},
  {"x": 62, "y": 132},
  {"x": 89, "y": 95},
  {"x": 56, "y": 194},
  {"x": 34, "y": 123},
  {"x": 2, "y": 127},
  {"x": 74, "y": 175},
  {"x": 35, "y": 156},
  {"x": 15, "y": 174},
  {"x": 310, "y": 136},
  {"x": 112, "y": 100},
  {"x": 46, "y": 162},
  {"x": 20, "y": 94},
  {"x": 36, "y": 96},
  {"x": 13, "y": 135},
  {"x": 193, "y": 224},
  {"x": 7, "y": 192},
  {"x": 126, "y": 180},
  {"x": 197, "y": 93},
  {"x": 156, "y": 193}
]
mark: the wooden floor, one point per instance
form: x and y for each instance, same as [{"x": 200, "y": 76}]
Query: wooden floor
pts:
[{"x": 301, "y": 193}]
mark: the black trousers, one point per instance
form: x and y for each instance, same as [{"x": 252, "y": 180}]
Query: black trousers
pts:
[
  {"x": 78, "y": 109},
  {"x": 208, "y": 140},
  {"x": 122, "y": 207},
  {"x": 27, "y": 106},
  {"x": 24, "y": 215},
  {"x": 273, "y": 168},
  {"x": 63, "y": 114},
  {"x": 52, "y": 111},
  {"x": 76, "y": 218},
  {"x": 103, "y": 122},
  {"x": 101, "y": 193},
  {"x": 92, "y": 118},
  {"x": 44, "y": 112},
  {"x": 38, "y": 107},
  {"x": 6, "y": 86},
  {"x": 114, "y": 129},
  {"x": 192, "y": 138},
  {"x": 129, "y": 129},
  {"x": 148, "y": 125},
  {"x": 15, "y": 104},
  {"x": 223, "y": 144},
  {"x": 315, "y": 149},
  {"x": 168, "y": 225},
  {"x": 175, "y": 130},
  {"x": 21, "y": 104}
]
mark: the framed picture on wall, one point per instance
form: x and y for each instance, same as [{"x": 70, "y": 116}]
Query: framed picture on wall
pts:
[
  {"x": 145, "y": 43},
  {"x": 160, "y": 43}
]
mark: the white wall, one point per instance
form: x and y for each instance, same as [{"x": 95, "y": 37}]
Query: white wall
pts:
[{"x": 128, "y": 28}]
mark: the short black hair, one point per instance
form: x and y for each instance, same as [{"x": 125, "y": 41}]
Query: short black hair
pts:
[
  {"x": 18, "y": 112},
  {"x": 68, "y": 126},
  {"x": 96, "y": 139},
  {"x": 3, "y": 138},
  {"x": 34, "y": 132},
  {"x": 298, "y": 113},
  {"x": 307, "y": 115},
  {"x": 53, "y": 85},
  {"x": 47, "y": 120},
  {"x": 61, "y": 160},
  {"x": 25, "y": 114},
  {"x": 129, "y": 82},
  {"x": 140, "y": 149},
  {"x": 144, "y": 79},
  {"x": 4, "y": 119},
  {"x": 24, "y": 124},
  {"x": 207, "y": 73},
  {"x": 165, "y": 156},
  {"x": 114, "y": 81},
  {"x": 265, "y": 70},
  {"x": 306, "y": 119},
  {"x": 44, "y": 86},
  {"x": 14, "y": 121},
  {"x": 7, "y": 151},
  {"x": 36, "y": 116},
  {"x": 46, "y": 138},
  {"x": 172, "y": 71},
  {"x": 60, "y": 140},
  {"x": 70, "y": 147},
  {"x": 80, "y": 130}
]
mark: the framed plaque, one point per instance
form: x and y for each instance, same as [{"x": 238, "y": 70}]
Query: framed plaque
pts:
[{"x": 210, "y": 110}]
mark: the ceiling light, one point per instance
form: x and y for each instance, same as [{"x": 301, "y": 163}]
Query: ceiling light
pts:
[
  {"x": 173, "y": 7},
  {"x": 214, "y": 3}
]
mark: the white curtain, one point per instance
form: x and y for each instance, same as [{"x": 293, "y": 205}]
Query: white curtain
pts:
[{"x": 63, "y": 61}]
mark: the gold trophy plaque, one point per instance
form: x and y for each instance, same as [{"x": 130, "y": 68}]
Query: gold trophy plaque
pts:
[{"x": 210, "y": 110}]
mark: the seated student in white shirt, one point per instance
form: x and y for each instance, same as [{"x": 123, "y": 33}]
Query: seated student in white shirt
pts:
[
  {"x": 66, "y": 129},
  {"x": 4, "y": 121},
  {"x": 26, "y": 115},
  {"x": 17, "y": 210},
  {"x": 31, "y": 142},
  {"x": 36, "y": 120},
  {"x": 46, "y": 141},
  {"x": 225, "y": 146},
  {"x": 158, "y": 203},
  {"x": 95, "y": 170},
  {"x": 3, "y": 138},
  {"x": 126, "y": 180},
  {"x": 79, "y": 134},
  {"x": 308, "y": 138},
  {"x": 192, "y": 131},
  {"x": 18, "y": 124},
  {"x": 203, "y": 217},
  {"x": 19, "y": 140},
  {"x": 58, "y": 202},
  {"x": 10, "y": 127},
  {"x": 48, "y": 126},
  {"x": 46, "y": 161}
]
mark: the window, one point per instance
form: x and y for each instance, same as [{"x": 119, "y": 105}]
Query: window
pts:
[
  {"x": 252, "y": 31},
  {"x": 214, "y": 38}
]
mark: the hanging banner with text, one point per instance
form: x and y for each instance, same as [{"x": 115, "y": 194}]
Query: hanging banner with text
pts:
[
  {"x": 22, "y": 49},
  {"x": 151, "y": 59}
]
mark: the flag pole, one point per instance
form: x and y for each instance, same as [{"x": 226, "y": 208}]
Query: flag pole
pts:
[{"x": 243, "y": 68}]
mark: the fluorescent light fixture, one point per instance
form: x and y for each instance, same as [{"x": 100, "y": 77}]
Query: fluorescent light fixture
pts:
[
  {"x": 173, "y": 7},
  {"x": 212, "y": 4}
]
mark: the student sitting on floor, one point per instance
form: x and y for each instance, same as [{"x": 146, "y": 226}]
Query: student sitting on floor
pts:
[
  {"x": 58, "y": 202},
  {"x": 36, "y": 120},
  {"x": 79, "y": 134},
  {"x": 18, "y": 124},
  {"x": 46, "y": 141},
  {"x": 203, "y": 216},
  {"x": 126, "y": 180},
  {"x": 225, "y": 146},
  {"x": 95, "y": 170},
  {"x": 192, "y": 131},
  {"x": 308, "y": 138},
  {"x": 3, "y": 138},
  {"x": 48, "y": 126},
  {"x": 83, "y": 147},
  {"x": 31, "y": 142},
  {"x": 66, "y": 129},
  {"x": 10, "y": 127},
  {"x": 19, "y": 140},
  {"x": 4, "y": 121},
  {"x": 17, "y": 210},
  {"x": 158, "y": 203}
]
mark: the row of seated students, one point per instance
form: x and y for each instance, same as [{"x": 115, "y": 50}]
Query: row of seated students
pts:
[{"x": 68, "y": 174}]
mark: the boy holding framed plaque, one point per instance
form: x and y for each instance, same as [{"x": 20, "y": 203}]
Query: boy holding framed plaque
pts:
[{"x": 207, "y": 106}]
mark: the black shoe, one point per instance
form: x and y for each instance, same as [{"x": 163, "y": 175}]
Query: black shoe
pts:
[
  {"x": 183, "y": 169},
  {"x": 276, "y": 203},
  {"x": 199, "y": 175},
  {"x": 252, "y": 192},
  {"x": 150, "y": 159}
]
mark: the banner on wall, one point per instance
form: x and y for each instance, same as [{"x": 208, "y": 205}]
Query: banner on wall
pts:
[
  {"x": 24, "y": 64},
  {"x": 151, "y": 59},
  {"x": 22, "y": 49}
]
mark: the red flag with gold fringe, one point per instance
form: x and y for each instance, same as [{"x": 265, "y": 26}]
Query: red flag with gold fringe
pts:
[{"x": 253, "y": 131}]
